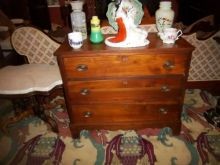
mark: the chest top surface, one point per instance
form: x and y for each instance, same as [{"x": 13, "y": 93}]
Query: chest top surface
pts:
[{"x": 156, "y": 46}]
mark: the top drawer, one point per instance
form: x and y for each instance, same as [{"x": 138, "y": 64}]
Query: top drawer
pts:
[{"x": 124, "y": 65}]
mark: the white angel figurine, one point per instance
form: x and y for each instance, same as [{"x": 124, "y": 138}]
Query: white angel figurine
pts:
[{"x": 129, "y": 34}]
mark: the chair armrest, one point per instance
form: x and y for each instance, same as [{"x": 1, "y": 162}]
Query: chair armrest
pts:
[
  {"x": 17, "y": 21},
  {"x": 3, "y": 28},
  {"x": 4, "y": 34}
]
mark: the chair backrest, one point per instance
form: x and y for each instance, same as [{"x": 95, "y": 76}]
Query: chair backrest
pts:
[
  {"x": 36, "y": 45},
  {"x": 205, "y": 58}
]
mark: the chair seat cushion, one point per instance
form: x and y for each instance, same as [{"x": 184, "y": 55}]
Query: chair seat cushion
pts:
[{"x": 23, "y": 79}]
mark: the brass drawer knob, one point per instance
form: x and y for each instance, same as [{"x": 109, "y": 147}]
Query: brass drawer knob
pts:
[
  {"x": 87, "y": 114},
  {"x": 81, "y": 67},
  {"x": 165, "y": 88},
  {"x": 163, "y": 110},
  {"x": 168, "y": 65},
  {"x": 84, "y": 91}
]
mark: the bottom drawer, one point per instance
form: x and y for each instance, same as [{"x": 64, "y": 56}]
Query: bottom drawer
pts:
[{"x": 108, "y": 113}]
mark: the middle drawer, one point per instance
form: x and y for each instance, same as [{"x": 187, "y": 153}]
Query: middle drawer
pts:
[{"x": 139, "y": 90}]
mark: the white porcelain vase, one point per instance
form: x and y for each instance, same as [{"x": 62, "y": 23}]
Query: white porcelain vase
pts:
[{"x": 164, "y": 16}]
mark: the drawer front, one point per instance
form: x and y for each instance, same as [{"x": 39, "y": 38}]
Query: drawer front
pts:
[
  {"x": 139, "y": 91},
  {"x": 99, "y": 113},
  {"x": 124, "y": 65}
]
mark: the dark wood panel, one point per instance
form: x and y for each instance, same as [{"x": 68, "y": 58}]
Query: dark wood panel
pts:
[
  {"x": 39, "y": 14},
  {"x": 15, "y": 8},
  {"x": 55, "y": 16},
  {"x": 211, "y": 86}
]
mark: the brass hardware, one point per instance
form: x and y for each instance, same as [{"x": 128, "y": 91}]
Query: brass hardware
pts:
[
  {"x": 168, "y": 65},
  {"x": 163, "y": 110},
  {"x": 81, "y": 67},
  {"x": 165, "y": 88},
  {"x": 84, "y": 91},
  {"x": 87, "y": 114}
]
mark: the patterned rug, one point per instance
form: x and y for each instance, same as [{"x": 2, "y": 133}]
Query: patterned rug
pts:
[{"x": 31, "y": 141}]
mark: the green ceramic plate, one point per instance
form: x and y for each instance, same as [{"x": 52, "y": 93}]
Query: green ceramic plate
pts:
[{"x": 133, "y": 8}]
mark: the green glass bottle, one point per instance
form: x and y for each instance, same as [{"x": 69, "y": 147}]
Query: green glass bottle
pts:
[{"x": 96, "y": 34}]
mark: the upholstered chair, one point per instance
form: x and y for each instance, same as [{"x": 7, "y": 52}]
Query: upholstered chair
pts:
[{"x": 38, "y": 78}]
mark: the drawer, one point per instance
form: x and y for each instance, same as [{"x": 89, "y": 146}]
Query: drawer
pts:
[
  {"x": 139, "y": 90},
  {"x": 124, "y": 65},
  {"x": 99, "y": 113}
]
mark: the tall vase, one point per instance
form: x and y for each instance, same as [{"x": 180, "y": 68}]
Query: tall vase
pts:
[
  {"x": 78, "y": 18},
  {"x": 164, "y": 16}
]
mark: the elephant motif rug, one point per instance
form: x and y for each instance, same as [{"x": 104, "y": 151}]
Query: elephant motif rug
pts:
[{"x": 31, "y": 141}]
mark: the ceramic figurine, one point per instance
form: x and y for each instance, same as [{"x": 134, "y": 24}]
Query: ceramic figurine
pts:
[
  {"x": 125, "y": 16},
  {"x": 96, "y": 34}
]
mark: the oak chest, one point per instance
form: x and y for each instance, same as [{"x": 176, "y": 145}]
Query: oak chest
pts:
[{"x": 124, "y": 88}]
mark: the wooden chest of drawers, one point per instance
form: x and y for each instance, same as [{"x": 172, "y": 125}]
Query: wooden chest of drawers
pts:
[{"x": 124, "y": 88}]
